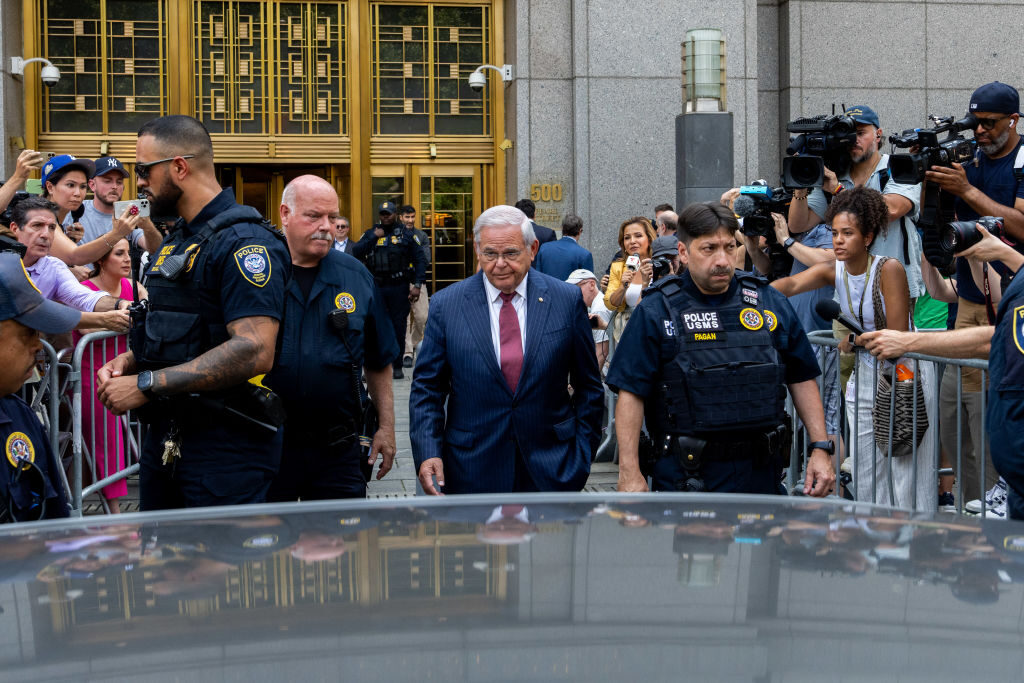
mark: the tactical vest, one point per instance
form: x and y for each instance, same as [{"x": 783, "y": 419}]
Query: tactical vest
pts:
[
  {"x": 387, "y": 262},
  {"x": 721, "y": 372},
  {"x": 182, "y": 319}
]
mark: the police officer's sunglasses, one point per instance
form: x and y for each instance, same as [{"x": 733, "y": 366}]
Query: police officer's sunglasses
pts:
[{"x": 142, "y": 170}]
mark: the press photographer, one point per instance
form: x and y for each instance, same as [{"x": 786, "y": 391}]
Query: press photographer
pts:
[
  {"x": 866, "y": 167},
  {"x": 990, "y": 185},
  {"x": 758, "y": 205}
]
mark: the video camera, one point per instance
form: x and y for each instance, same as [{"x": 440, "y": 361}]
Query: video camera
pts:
[
  {"x": 755, "y": 205},
  {"x": 909, "y": 169},
  {"x": 937, "y": 206},
  {"x": 820, "y": 141}
]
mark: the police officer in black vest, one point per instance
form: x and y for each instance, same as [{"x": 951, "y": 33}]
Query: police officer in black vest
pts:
[
  {"x": 200, "y": 349},
  {"x": 399, "y": 269},
  {"x": 707, "y": 356},
  {"x": 31, "y": 483}
]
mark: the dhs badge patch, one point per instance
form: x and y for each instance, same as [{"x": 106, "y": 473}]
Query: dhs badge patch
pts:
[{"x": 254, "y": 263}]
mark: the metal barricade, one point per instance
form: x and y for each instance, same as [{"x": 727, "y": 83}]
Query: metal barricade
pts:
[
  {"x": 44, "y": 396},
  {"x": 924, "y": 460},
  {"x": 92, "y": 351},
  {"x": 608, "y": 449}
]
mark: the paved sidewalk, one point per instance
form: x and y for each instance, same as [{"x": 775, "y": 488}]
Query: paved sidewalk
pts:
[{"x": 401, "y": 481}]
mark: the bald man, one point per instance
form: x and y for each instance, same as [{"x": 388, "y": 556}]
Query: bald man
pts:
[{"x": 335, "y": 328}]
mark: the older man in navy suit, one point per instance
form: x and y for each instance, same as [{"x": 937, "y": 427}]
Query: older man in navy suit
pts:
[
  {"x": 502, "y": 349},
  {"x": 560, "y": 258}
]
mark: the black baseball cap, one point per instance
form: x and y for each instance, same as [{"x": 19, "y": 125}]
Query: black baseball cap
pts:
[
  {"x": 105, "y": 165},
  {"x": 21, "y": 300},
  {"x": 386, "y": 207},
  {"x": 996, "y": 97}
]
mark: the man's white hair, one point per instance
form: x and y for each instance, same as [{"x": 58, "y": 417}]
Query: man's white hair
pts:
[{"x": 503, "y": 215}]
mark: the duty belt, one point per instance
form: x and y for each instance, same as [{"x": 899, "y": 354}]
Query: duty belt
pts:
[{"x": 755, "y": 447}]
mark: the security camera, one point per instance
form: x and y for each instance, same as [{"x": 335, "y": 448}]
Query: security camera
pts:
[
  {"x": 50, "y": 75},
  {"x": 477, "y": 81}
]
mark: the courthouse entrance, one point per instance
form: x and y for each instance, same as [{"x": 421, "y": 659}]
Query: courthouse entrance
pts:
[{"x": 369, "y": 94}]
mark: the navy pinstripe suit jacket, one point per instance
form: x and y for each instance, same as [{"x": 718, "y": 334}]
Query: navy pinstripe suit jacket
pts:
[{"x": 476, "y": 437}]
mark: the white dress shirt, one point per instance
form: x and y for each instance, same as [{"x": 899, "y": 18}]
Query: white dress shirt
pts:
[
  {"x": 518, "y": 303},
  {"x": 341, "y": 244}
]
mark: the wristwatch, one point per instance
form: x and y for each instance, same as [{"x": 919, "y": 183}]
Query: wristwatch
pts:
[
  {"x": 788, "y": 243},
  {"x": 145, "y": 384},
  {"x": 827, "y": 446}
]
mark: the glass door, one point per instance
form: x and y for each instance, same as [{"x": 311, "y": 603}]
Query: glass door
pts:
[{"x": 448, "y": 204}]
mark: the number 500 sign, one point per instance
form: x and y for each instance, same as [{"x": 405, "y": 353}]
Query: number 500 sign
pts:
[{"x": 546, "y": 192}]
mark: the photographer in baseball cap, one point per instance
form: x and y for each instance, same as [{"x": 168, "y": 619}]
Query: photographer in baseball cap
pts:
[{"x": 30, "y": 481}]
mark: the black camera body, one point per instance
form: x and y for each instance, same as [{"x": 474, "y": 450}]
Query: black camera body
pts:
[
  {"x": 820, "y": 141},
  {"x": 956, "y": 236},
  {"x": 660, "y": 267},
  {"x": 756, "y": 204},
  {"x": 909, "y": 169},
  {"x": 9, "y": 244}
]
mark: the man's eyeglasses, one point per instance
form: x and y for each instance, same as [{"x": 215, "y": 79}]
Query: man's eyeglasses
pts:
[
  {"x": 508, "y": 255},
  {"x": 142, "y": 170},
  {"x": 989, "y": 124}
]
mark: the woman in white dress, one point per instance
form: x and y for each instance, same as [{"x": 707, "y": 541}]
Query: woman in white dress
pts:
[{"x": 858, "y": 217}]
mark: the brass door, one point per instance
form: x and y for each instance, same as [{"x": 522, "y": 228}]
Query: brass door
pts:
[
  {"x": 449, "y": 202},
  {"x": 261, "y": 185}
]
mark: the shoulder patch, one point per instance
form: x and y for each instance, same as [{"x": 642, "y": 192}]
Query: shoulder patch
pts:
[
  {"x": 19, "y": 448},
  {"x": 345, "y": 302},
  {"x": 253, "y": 262},
  {"x": 751, "y": 319},
  {"x": 771, "y": 319},
  {"x": 1018, "y": 328}
]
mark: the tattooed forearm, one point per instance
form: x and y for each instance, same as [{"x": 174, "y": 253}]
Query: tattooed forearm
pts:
[{"x": 249, "y": 352}]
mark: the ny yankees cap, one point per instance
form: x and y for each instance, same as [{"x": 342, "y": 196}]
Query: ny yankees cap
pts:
[
  {"x": 996, "y": 97},
  {"x": 105, "y": 165}
]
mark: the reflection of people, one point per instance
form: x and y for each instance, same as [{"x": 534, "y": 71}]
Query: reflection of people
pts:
[
  {"x": 217, "y": 298},
  {"x": 104, "y": 432},
  {"x": 31, "y": 483},
  {"x": 501, "y": 348},
  {"x": 317, "y": 372}
]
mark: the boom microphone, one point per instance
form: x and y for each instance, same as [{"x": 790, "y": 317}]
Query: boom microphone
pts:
[{"x": 829, "y": 309}]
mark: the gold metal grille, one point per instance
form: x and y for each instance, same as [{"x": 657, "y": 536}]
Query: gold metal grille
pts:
[
  {"x": 271, "y": 67},
  {"x": 422, "y": 56},
  {"x": 112, "y": 56}
]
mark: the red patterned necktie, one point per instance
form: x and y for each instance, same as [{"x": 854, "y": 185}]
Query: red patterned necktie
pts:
[{"x": 511, "y": 341}]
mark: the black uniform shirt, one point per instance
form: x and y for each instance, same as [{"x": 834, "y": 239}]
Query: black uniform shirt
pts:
[
  {"x": 637, "y": 362},
  {"x": 21, "y": 433}
]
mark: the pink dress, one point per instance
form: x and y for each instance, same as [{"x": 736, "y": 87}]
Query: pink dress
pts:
[{"x": 95, "y": 418}]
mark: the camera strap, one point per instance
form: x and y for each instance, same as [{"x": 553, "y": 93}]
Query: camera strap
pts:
[
  {"x": 883, "y": 179},
  {"x": 989, "y": 309}
]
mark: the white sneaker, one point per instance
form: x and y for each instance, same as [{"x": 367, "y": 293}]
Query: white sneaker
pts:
[
  {"x": 997, "y": 511},
  {"x": 996, "y": 496}
]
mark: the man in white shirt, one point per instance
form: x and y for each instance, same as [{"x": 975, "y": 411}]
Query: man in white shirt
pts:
[
  {"x": 597, "y": 311},
  {"x": 490, "y": 407}
]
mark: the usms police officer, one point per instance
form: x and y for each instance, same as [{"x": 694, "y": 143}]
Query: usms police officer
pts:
[
  {"x": 388, "y": 250},
  {"x": 335, "y": 325},
  {"x": 216, "y": 300},
  {"x": 707, "y": 354},
  {"x": 31, "y": 486}
]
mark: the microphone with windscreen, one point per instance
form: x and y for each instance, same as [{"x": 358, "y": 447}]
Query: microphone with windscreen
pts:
[
  {"x": 830, "y": 310},
  {"x": 744, "y": 206}
]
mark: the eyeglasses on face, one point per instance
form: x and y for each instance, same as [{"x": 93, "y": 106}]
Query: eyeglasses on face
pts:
[
  {"x": 142, "y": 170},
  {"x": 491, "y": 256},
  {"x": 989, "y": 124}
]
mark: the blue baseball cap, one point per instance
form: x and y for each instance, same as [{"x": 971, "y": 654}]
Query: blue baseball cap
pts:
[
  {"x": 996, "y": 97},
  {"x": 66, "y": 161},
  {"x": 864, "y": 114},
  {"x": 21, "y": 300},
  {"x": 386, "y": 207},
  {"x": 105, "y": 165}
]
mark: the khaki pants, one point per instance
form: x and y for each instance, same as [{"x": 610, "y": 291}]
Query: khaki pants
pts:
[{"x": 417, "y": 321}]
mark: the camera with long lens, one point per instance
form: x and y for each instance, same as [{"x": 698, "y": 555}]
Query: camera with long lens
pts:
[
  {"x": 821, "y": 141},
  {"x": 909, "y": 169},
  {"x": 956, "y": 236},
  {"x": 755, "y": 205}
]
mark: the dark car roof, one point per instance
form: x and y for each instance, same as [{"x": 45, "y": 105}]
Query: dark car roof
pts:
[{"x": 566, "y": 587}]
